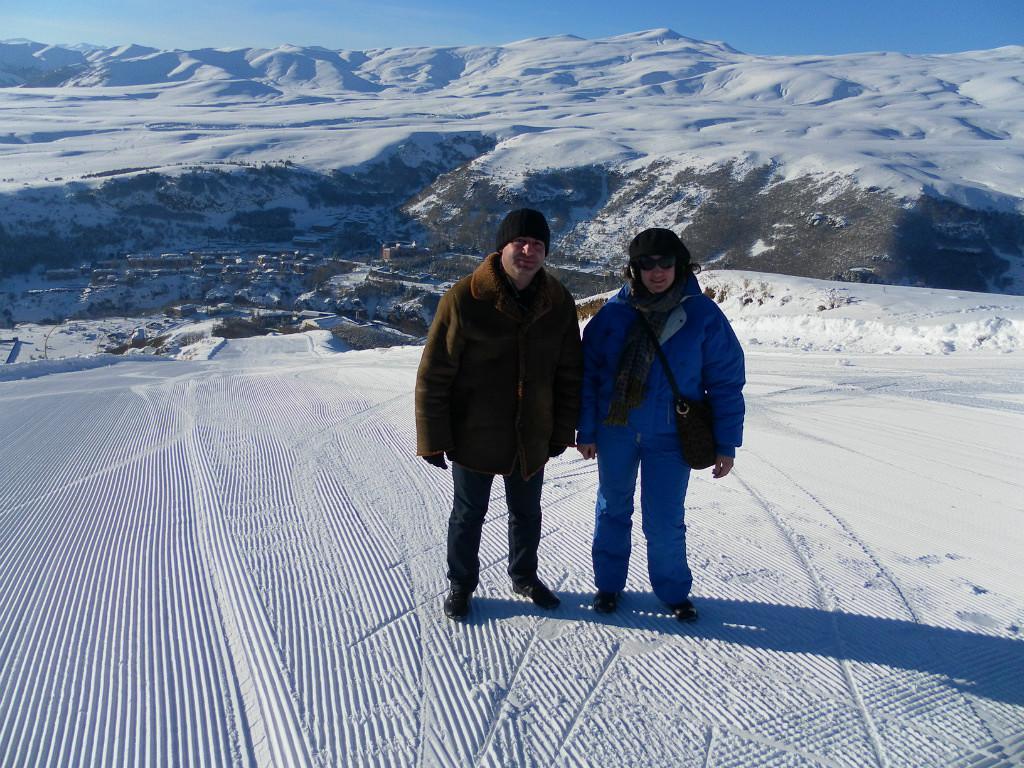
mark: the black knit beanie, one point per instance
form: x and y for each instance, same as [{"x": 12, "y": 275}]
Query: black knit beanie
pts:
[
  {"x": 659, "y": 242},
  {"x": 524, "y": 222}
]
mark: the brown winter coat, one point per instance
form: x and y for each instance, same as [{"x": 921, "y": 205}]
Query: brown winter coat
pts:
[{"x": 495, "y": 384}]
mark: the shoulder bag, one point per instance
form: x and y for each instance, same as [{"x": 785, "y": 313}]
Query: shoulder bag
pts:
[{"x": 693, "y": 417}]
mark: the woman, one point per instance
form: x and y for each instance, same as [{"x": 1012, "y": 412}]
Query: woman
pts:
[{"x": 628, "y": 422}]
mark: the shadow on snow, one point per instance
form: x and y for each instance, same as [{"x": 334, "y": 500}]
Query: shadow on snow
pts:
[{"x": 981, "y": 665}]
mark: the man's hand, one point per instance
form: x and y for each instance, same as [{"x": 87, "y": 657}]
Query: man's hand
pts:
[
  {"x": 587, "y": 450},
  {"x": 437, "y": 459},
  {"x": 723, "y": 466}
]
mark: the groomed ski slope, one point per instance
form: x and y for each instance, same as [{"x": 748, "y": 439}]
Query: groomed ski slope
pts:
[{"x": 240, "y": 562}]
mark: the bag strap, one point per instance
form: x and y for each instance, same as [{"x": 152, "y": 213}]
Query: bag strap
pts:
[
  {"x": 682, "y": 404},
  {"x": 661, "y": 354}
]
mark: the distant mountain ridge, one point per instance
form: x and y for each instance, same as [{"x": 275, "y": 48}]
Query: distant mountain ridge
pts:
[
  {"x": 25, "y": 63},
  {"x": 914, "y": 163}
]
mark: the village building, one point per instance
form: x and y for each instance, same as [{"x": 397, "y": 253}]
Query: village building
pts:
[{"x": 400, "y": 254}]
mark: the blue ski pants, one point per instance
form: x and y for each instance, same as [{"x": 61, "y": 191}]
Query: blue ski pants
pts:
[{"x": 621, "y": 452}]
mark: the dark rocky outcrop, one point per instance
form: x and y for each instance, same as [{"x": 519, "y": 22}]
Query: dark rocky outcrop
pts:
[
  {"x": 733, "y": 218},
  {"x": 430, "y": 190}
]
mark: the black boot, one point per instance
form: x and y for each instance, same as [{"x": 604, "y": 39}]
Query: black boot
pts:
[
  {"x": 538, "y": 593},
  {"x": 606, "y": 602},
  {"x": 684, "y": 611},
  {"x": 456, "y": 605}
]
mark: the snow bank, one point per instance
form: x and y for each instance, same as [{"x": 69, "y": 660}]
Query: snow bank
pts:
[
  {"x": 201, "y": 350},
  {"x": 777, "y": 311},
  {"x": 37, "y": 368}
]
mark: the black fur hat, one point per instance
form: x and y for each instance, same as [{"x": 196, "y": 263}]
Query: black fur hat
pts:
[
  {"x": 524, "y": 222},
  {"x": 659, "y": 242}
]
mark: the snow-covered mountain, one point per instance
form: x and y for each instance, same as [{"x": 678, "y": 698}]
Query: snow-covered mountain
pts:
[
  {"x": 240, "y": 561},
  {"x": 866, "y": 166}
]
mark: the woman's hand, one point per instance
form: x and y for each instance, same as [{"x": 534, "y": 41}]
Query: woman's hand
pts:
[
  {"x": 723, "y": 466},
  {"x": 587, "y": 450}
]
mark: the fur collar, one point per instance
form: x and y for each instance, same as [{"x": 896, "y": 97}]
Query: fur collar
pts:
[{"x": 488, "y": 284}]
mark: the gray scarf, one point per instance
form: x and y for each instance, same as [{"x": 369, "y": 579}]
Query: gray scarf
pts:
[{"x": 638, "y": 352}]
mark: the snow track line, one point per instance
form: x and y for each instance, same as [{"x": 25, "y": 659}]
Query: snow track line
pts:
[
  {"x": 92, "y": 637},
  {"x": 825, "y": 602},
  {"x": 372, "y": 633},
  {"x": 780, "y": 746},
  {"x": 771, "y": 416},
  {"x": 39, "y": 536},
  {"x": 365, "y": 415},
  {"x": 373, "y": 538},
  {"x": 940, "y": 689},
  {"x": 270, "y": 710},
  {"x": 589, "y": 470},
  {"x": 59, "y": 483},
  {"x": 847, "y": 531},
  {"x": 892, "y": 581},
  {"x": 709, "y": 747},
  {"x": 496, "y": 719},
  {"x": 319, "y": 512},
  {"x": 453, "y": 705},
  {"x": 577, "y": 716}
]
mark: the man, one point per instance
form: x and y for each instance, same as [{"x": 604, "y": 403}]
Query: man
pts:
[{"x": 498, "y": 390}]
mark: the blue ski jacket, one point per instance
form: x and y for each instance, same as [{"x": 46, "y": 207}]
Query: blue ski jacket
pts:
[{"x": 706, "y": 360}]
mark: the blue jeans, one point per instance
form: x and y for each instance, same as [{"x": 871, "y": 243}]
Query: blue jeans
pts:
[
  {"x": 621, "y": 451},
  {"x": 472, "y": 493}
]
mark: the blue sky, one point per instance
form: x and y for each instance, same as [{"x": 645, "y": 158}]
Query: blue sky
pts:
[{"x": 763, "y": 27}]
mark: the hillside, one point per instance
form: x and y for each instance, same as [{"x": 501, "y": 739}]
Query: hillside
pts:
[{"x": 878, "y": 167}]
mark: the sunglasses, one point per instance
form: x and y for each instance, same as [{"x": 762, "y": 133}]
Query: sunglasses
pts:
[{"x": 650, "y": 262}]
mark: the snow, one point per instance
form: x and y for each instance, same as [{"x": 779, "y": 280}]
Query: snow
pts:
[
  {"x": 47, "y": 367},
  {"x": 947, "y": 124},
  {"x": 240, "y": 561},
  {"x": 203, "y": 349},
  {"x": 84, "y": 338},
  {"x": 782, "y": 312}
]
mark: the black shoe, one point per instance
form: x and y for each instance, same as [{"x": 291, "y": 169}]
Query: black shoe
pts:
[
  {"x": 606, "y": 602},
  {"x": 684, "y": 611},
  {"x": 538, "y": 593},
  {"x": 456, "y": 605}
]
